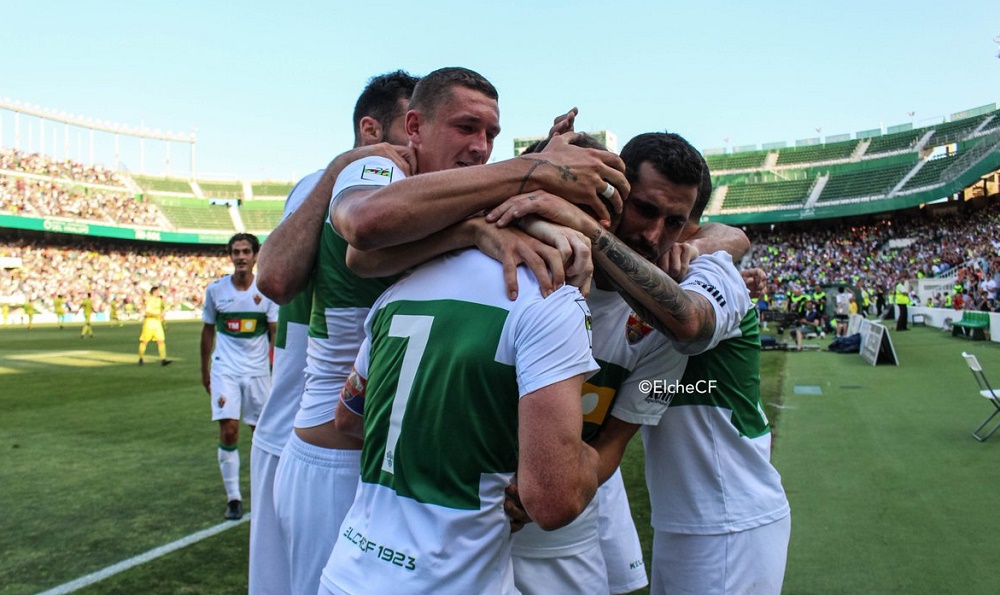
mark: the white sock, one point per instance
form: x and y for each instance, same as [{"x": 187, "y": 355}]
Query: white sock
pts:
[{"x": 229, "y": 464}]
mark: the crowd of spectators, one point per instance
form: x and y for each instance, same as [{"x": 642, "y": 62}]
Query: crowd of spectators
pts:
[
  {"x": 112, "y": 272},
  {"x": 43, "y": 165},
  {"x": 867, "y": 255},
  {"x": 874, "y": 255},
  {"x": 69, "y": 189}
]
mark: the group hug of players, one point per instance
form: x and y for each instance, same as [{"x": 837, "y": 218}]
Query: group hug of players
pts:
[{"x": 464, "y": 350}]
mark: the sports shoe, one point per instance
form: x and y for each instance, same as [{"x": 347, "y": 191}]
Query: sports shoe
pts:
[
  {"x": 166, "y": 362},
  {"x": 234, "y": 510},
  {"x": 140, "y": 361}
]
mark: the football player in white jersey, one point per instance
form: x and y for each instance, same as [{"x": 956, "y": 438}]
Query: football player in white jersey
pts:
[
  {"x": 452, "y": 122},
  {"x": 236, "y": 342},
  {"x": 287, "y": 268},
  {"x": 288, "y": 554},
  {"x": 720, "y": 515},
  {"x": 573, "y": 560}
]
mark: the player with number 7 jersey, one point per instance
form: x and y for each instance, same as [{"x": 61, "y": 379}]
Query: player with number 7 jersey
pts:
[{"x": 451, "y": 366}]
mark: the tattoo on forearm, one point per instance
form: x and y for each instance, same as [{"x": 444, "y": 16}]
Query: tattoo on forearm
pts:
[
  {"x": 565, "y": 171},
  {"x": 524, "y": 181},
  {"x": 664, "y": 297}
]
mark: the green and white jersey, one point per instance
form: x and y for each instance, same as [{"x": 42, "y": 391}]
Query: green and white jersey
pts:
[
  {"x": 287, "y": 378},
  {"x": 241, "y": 321},
  {"x": 341, "y": 301},
  {"x": 449, "y": 358},
  {"x": 627, "y": 349},
  {"x": 722, "y": 479},
  {"x": 708, "y": 460}
]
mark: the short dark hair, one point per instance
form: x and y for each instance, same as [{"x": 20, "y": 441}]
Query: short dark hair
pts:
[
  {"x": 435, "y": 89},
  {"x": 380, "y": 99},
  {"x": 704, "y": 193},
  {"x": 584, "y": 140},
  {"x": 254, "y": 242},
  {"x": 669, "y": 154}
]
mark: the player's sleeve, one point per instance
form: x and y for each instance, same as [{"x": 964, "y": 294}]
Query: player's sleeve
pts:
[
  {"x": 715, "y": 277},
  {"x": 552, "y": 340},
  {"x": 370, "y": 171},
  {"x": 300, "y": 192},
  {"x": 272, "y": 312},
  {"x": 208, "y": 312},
  {"x": 642, "y": 398}
]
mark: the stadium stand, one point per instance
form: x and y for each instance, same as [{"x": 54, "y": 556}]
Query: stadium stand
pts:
[
  {"x": 271, "y": 189},
  {"x": 226, "y": 189},
  {"x": 123, "y": 271},
  {"x": 817, "y": 153},
  {"x": 958, "y": 130},
  {"x": 871, "y": 182},
  {"x": 867, "y": 190},
  {"x": 894, "y": 143},
  {"x": 262, "y": 215},
  {"x": 164, "y": 185},
  {"x": 736, "y": 161},
  {"x": 194, "y": 214},
  {"x": 783, "y": 194},
  {"x": 930, "y": 173},
  {"x": 957, "y": 243}
]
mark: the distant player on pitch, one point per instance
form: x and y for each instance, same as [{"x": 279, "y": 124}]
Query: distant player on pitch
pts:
[
  {"x": 154, "y": 310},
  {"x": 240, "y": 326},
  {"x": 87, "y": 305}
]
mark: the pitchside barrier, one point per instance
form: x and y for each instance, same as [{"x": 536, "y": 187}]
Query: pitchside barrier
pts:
[{"x": 876, "y": 344}]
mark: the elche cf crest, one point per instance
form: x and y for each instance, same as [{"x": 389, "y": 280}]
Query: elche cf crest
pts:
[
  {"x": 257, "y": 298},
  {"x": 635, "y": 329}
]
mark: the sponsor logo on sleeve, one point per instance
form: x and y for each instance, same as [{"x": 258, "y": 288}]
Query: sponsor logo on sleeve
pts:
[
  {"x": 713, "y": 291},
  {"x": 376, "y": 173}
]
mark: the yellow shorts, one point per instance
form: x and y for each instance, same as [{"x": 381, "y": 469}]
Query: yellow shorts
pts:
[{"x": 152, "y": 330}]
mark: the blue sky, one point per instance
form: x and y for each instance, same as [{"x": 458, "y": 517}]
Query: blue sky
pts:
[{"x": 270, "y": 86}]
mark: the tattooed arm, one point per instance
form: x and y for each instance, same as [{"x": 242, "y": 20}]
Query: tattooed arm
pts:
[
  {"x": 414, "y": 208},
  {"x": 683, "y": 315}
]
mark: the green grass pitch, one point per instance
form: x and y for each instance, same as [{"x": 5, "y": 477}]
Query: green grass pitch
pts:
[{"x": 102, "y": 460}]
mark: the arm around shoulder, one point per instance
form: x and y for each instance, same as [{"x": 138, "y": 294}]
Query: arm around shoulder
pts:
[{"x": 712, "y": 237}]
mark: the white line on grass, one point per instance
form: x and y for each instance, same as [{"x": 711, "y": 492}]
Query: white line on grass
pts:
[{"x": 152, "y": 554}]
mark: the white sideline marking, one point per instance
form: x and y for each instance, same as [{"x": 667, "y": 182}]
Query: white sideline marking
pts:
[{"x": 152, "y": 554}]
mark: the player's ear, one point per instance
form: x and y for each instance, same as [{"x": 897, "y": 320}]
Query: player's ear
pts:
[
  {"x": 371, "y": 130},
  {"x": 412, "y": 123}
]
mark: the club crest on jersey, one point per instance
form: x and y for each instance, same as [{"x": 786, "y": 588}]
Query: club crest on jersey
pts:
[
  {"x": 635, "y": 329},
  {"x": 221, "y": 402},
  {"x": 257, "y": 299},
  {"x": 376, "y": 173}
]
